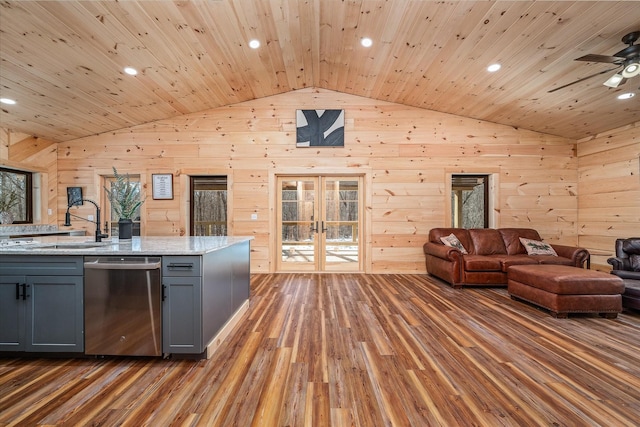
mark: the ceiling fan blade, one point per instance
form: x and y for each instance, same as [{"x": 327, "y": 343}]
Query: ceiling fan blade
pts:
[
  {"x": 582, "y": 79},
  {"x": 600, "y": 58}
]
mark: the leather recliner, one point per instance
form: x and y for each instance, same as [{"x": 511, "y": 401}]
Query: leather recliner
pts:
[{"x": 626, "y": 265}]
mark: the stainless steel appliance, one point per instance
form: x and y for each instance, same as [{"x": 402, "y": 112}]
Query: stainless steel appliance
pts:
[{"x": 122, "y": 306}]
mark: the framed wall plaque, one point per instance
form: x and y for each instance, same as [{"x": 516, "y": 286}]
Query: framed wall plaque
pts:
[{"x": 162, "y": 186}]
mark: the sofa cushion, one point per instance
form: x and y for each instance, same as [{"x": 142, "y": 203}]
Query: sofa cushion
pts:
[
  {"x": 537, "y": 247},
  {"x": 634, "y": 261},
  {"x": 552, "y": 260},
  {"x": 487, "y": 241},
  {"x": 511, "y": 238},
  {"x": 452, "y": 241},
  {"x": 521, "y": 259},
  {"x": 481, "y": 263}
]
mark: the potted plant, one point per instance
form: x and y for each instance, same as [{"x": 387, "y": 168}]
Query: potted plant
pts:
[{"x": 125, "y": 200}]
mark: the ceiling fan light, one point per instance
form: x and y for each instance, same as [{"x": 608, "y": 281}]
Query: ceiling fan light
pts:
[
  {"x": 631, "y": 70},
  {"x": 614, "y": 80}
]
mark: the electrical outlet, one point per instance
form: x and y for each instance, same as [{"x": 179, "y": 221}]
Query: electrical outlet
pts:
[
  {"x": 49, "y": 212},
  {"x": 254, "y": 216},
  {"x": 90, "y": 217}
]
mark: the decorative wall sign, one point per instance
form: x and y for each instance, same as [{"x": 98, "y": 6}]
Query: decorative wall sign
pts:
[
  {"x": 319, "y": 128},
  {"x": 74, "y": 196},
  {"x": 162, "y": 184}
]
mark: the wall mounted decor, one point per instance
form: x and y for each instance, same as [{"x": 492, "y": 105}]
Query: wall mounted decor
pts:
[
  {"x": 319, "y": 128},
  {"x": 74, "y": 196},
  {"x": 162, "y": 186}
]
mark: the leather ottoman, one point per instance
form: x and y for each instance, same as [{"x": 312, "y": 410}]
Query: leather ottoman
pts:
[{"x": 563, "y": 289}]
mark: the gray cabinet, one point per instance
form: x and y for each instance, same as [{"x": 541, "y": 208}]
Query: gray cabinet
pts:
[
  {"x": 41, "y": 304},
  {"x": 182, "y": 304},
  {"x": 200, "y": 294}
]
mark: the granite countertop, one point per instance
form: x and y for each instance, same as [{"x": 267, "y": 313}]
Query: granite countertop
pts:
[{"x": 150, "y": 245}]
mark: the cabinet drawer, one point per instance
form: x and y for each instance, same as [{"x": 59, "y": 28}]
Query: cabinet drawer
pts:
[
  {"x": 42, "y": 265},
  {"x": 181, "y": 266}
]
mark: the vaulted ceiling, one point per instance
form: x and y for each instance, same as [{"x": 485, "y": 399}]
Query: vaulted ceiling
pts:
[{"x": 62, "y": 61}]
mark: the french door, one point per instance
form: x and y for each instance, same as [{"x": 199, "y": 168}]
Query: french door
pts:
[{"x": 319, "y": 223}]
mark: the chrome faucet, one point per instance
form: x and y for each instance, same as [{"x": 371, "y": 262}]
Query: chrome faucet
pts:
[{"x": 67, "y": 218}]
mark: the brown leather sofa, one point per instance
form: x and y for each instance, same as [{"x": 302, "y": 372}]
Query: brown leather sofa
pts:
[
  {"x": 626, "y": 265},
  {"x": 490, "y": 253}
]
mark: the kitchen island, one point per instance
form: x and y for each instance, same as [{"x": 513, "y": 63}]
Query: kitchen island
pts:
[{"x": 48, "y": 289}]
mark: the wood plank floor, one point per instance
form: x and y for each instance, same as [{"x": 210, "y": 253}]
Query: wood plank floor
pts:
[{"x": 354, "y": 349}]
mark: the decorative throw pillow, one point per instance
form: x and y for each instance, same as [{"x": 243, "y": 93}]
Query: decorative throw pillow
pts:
[
  {"x": 634, "y": 260},
  {"x": 452, "y": 241},
  {"x": 535, "y": 247}
]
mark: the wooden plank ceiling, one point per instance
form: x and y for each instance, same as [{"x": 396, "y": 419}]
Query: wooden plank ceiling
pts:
[{"x": 63, "y": 60}]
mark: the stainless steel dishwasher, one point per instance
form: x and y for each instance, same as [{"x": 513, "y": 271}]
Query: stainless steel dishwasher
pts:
[{"x": 122, "y": 306}]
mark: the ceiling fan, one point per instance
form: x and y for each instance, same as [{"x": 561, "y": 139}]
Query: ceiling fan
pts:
[{"x": 628, "y": 58}]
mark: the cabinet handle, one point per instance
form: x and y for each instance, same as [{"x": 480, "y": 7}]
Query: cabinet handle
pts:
[
  {"x": 184, "y": 266},
  {"x": 17, "y": 290},
  {"x": 163, "y": 296},
  {"x": 24, "y": 291}
]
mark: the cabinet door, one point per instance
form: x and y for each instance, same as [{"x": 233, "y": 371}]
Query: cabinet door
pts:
[
  {"x": 182, "y": 315},
  {"x": 54, "y": 314},
  {"x": 12, "y": 313}
]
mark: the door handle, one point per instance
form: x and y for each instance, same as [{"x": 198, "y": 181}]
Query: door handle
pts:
[
  {"x": 324, "y": 230},
  {"x": 314, "y": 229}
]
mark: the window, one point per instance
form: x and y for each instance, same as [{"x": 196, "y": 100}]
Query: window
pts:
[
  {"x": 208, "y": 206},
  {"x": 110, "y": 215},
  {"x": 16, "y": 197},
  {"x": 470, "y": 201}
]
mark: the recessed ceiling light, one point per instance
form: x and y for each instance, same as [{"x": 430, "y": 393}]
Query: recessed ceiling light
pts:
[
  {"x": 131, "y": 71},
  {"x": 493, "y": 68},
  {"x": 7, "y": 101},
  {"x": 366, "y": 42},
  {"x": 626, "y": 95},
  {"x": 254, "y": 44}
]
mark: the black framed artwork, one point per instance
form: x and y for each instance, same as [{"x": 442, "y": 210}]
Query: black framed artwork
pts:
[
  {"x": 74, "y": 196},
  {"x": 319, "y": 128}
]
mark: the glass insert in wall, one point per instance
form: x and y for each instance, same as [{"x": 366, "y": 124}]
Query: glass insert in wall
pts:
[
  {"x": 470, "y": 201},
  {"x": 208, "y": 206}
]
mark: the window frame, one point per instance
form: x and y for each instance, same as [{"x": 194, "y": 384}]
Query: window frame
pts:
[{"x": 27, "y": 195}]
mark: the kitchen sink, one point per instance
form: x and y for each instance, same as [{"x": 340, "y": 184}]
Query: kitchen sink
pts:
[{"x": 70, "y": 245}]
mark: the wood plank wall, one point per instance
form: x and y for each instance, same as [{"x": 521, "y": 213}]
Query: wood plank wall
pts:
[
  {"x": 609, "y": 186},
  {"x": 405, "y": 154}
]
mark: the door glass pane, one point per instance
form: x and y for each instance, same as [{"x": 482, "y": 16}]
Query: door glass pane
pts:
[
  {"x": 298, "y": 221},
  {"x": 341, "y": 221},
  {"x": 208, "y": 205}
]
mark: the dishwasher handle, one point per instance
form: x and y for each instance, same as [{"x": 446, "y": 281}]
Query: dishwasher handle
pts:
[{"x": 97, "y": 265}]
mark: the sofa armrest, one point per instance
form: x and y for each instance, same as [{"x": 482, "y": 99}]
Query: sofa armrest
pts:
[
  {"x": 441, "y": 251},
  {"x": 619, "y": 263},
  {"x": 578, "y": 255}
]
